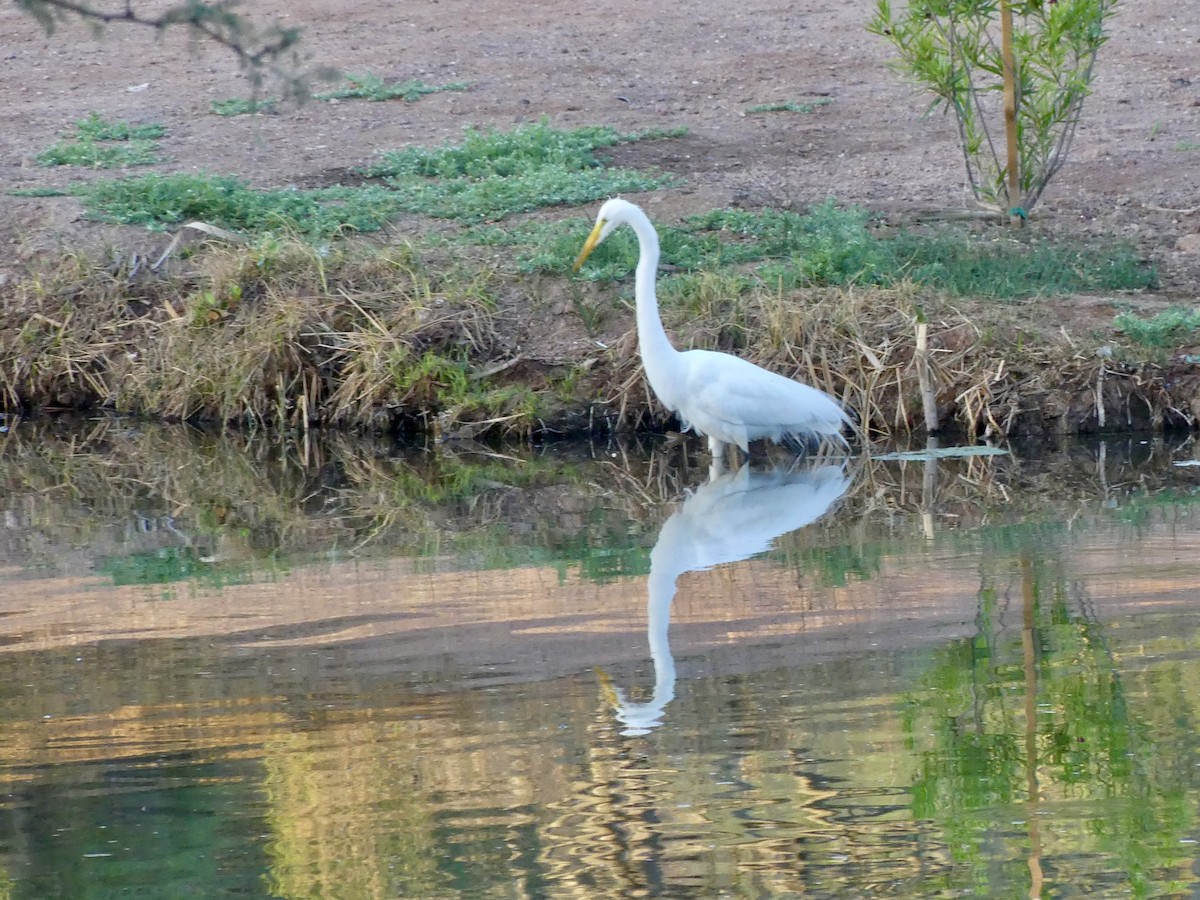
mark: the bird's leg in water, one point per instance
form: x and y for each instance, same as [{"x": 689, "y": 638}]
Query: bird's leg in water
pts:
[{"x": 716, "y": 449}]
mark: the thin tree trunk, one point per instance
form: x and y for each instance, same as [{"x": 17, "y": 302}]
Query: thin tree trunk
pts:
[{"x": 1010, "y": 113}]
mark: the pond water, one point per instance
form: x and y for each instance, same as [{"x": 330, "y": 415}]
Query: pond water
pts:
[{"x": 231, "y": 667}]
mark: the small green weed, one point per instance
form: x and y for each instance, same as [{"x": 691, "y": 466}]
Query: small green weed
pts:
[
  {"x": 372, "y": 87},
  {"x": 94, "y": 128},
  {"x": 489, "y": 199},
  {"x": 435, "y": 381},
  {"x": 1004, "y": 268},
  {"x": 242, "y": 106},
  {"x": 789, "y": 106},
  {"x": 158, "y": 201},
  {"x": 98, "y": 144},
  {"x": 491, "y": 153},
  {"x": 493, "y": 174},
  {"x": 1172, "y": 326},
  {"x": 1186, "y": 146},
  {"x": 38, "y": 192},
  {"x": 100, "y": 155}
]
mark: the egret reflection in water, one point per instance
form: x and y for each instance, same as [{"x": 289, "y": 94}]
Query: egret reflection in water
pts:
[{"x": 730, "y": 518}]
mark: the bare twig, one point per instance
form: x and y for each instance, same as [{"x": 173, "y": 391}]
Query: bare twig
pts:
[{"x": 257, "y": 50}]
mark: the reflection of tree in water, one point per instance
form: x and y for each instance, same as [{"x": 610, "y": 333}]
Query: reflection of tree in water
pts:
[{"x": 1033, "y": 713}]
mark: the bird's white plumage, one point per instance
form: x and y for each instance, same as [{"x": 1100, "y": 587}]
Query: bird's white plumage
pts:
[{"x": 728, "y": 399}]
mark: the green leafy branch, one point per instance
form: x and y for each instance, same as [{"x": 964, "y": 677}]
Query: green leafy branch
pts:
[{"x": 952, "y": 48}]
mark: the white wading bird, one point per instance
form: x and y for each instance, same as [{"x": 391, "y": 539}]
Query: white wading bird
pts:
[{"x": 729, "y": 400}]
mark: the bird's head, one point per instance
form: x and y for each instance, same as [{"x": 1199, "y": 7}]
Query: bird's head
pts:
[{"x": 614, "y": 212}]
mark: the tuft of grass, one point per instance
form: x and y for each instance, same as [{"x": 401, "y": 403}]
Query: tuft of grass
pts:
[
  {"x": 789, "y": 106},
  {"x": 372, "y": 87},
  {"x": 95, "y": 128},
  {"x": 718, "y": 300},
  {"x": 159, "y": 201},
  {"x": 491, "y": 153},
  {"x": 242, "y": 106},
  {"x": 100, "y": 156},
  {"x": 1006, "y": 268},
  {"x": 493, "y": 174},
  {"x": 490, "y": 199},
  {"x": 99, "y": 144},
  {"x": 38, "y": 192},
  {"x": 1171, "y": 327},
  {"x": 828, "y": 245},
  {"x": 275, "y": 333}
]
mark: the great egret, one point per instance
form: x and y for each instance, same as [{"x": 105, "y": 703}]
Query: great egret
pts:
[{"x": 727, "y": 399}]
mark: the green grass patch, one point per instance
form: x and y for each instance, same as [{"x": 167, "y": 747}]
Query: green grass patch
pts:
[
  {"x": 496, "y": 198},
  {"x": 99, "y": 144},
  {"x": 372, "y": 87},
  {"x": 100, "y": 155},
  {"x": 969, "y": 265},
  {"x": 489, "y": 153},
  {"x": 1168, "y": 328},
  {"x": 160, "y": 201},
  {"x": 95, "y": 128},
  {"x": 788, "y": 106},
  {"x": 489, "y": 176},
  {"x": 38, "y": 192},
  {"x": 831, "y": 245},
  {"x": 493, "y": 174},
  {"x": 242, "y": 106}
]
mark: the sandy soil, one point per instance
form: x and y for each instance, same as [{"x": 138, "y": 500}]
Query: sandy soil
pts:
[{"x": 1134, "y": 170}]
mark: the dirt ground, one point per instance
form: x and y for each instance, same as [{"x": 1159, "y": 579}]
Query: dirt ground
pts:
[{"x": 1134, "y": 170}]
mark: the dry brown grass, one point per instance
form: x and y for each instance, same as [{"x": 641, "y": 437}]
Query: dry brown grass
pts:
[
  {"x": 284, "y": 335},
  {"x": 997, "y": 369},
  {"x": 277, "y": 334}
]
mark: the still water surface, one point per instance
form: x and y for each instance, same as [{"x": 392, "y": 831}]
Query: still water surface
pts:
[{"x": 350, "y": 670}]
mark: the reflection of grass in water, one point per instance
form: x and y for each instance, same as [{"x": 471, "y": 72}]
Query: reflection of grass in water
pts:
[
  {"x": 834, "y": 566},
  {"x": 171, "y": 564},
  {"x": 601, "y": 552},
  {"x": 1140, "y": 509},
  {"x": 255, "y": 506},
  {"x": 493, "y": 494}
]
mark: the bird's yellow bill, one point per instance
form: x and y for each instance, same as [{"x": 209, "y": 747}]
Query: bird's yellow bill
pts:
[{"x": 589, "y": 245}]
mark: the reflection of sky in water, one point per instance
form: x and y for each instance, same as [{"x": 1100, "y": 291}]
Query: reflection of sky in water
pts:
[{"x": 226, "y": 672}]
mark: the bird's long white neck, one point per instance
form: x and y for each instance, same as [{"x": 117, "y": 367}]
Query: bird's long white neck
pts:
[{"x": 653, "y": 343}]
